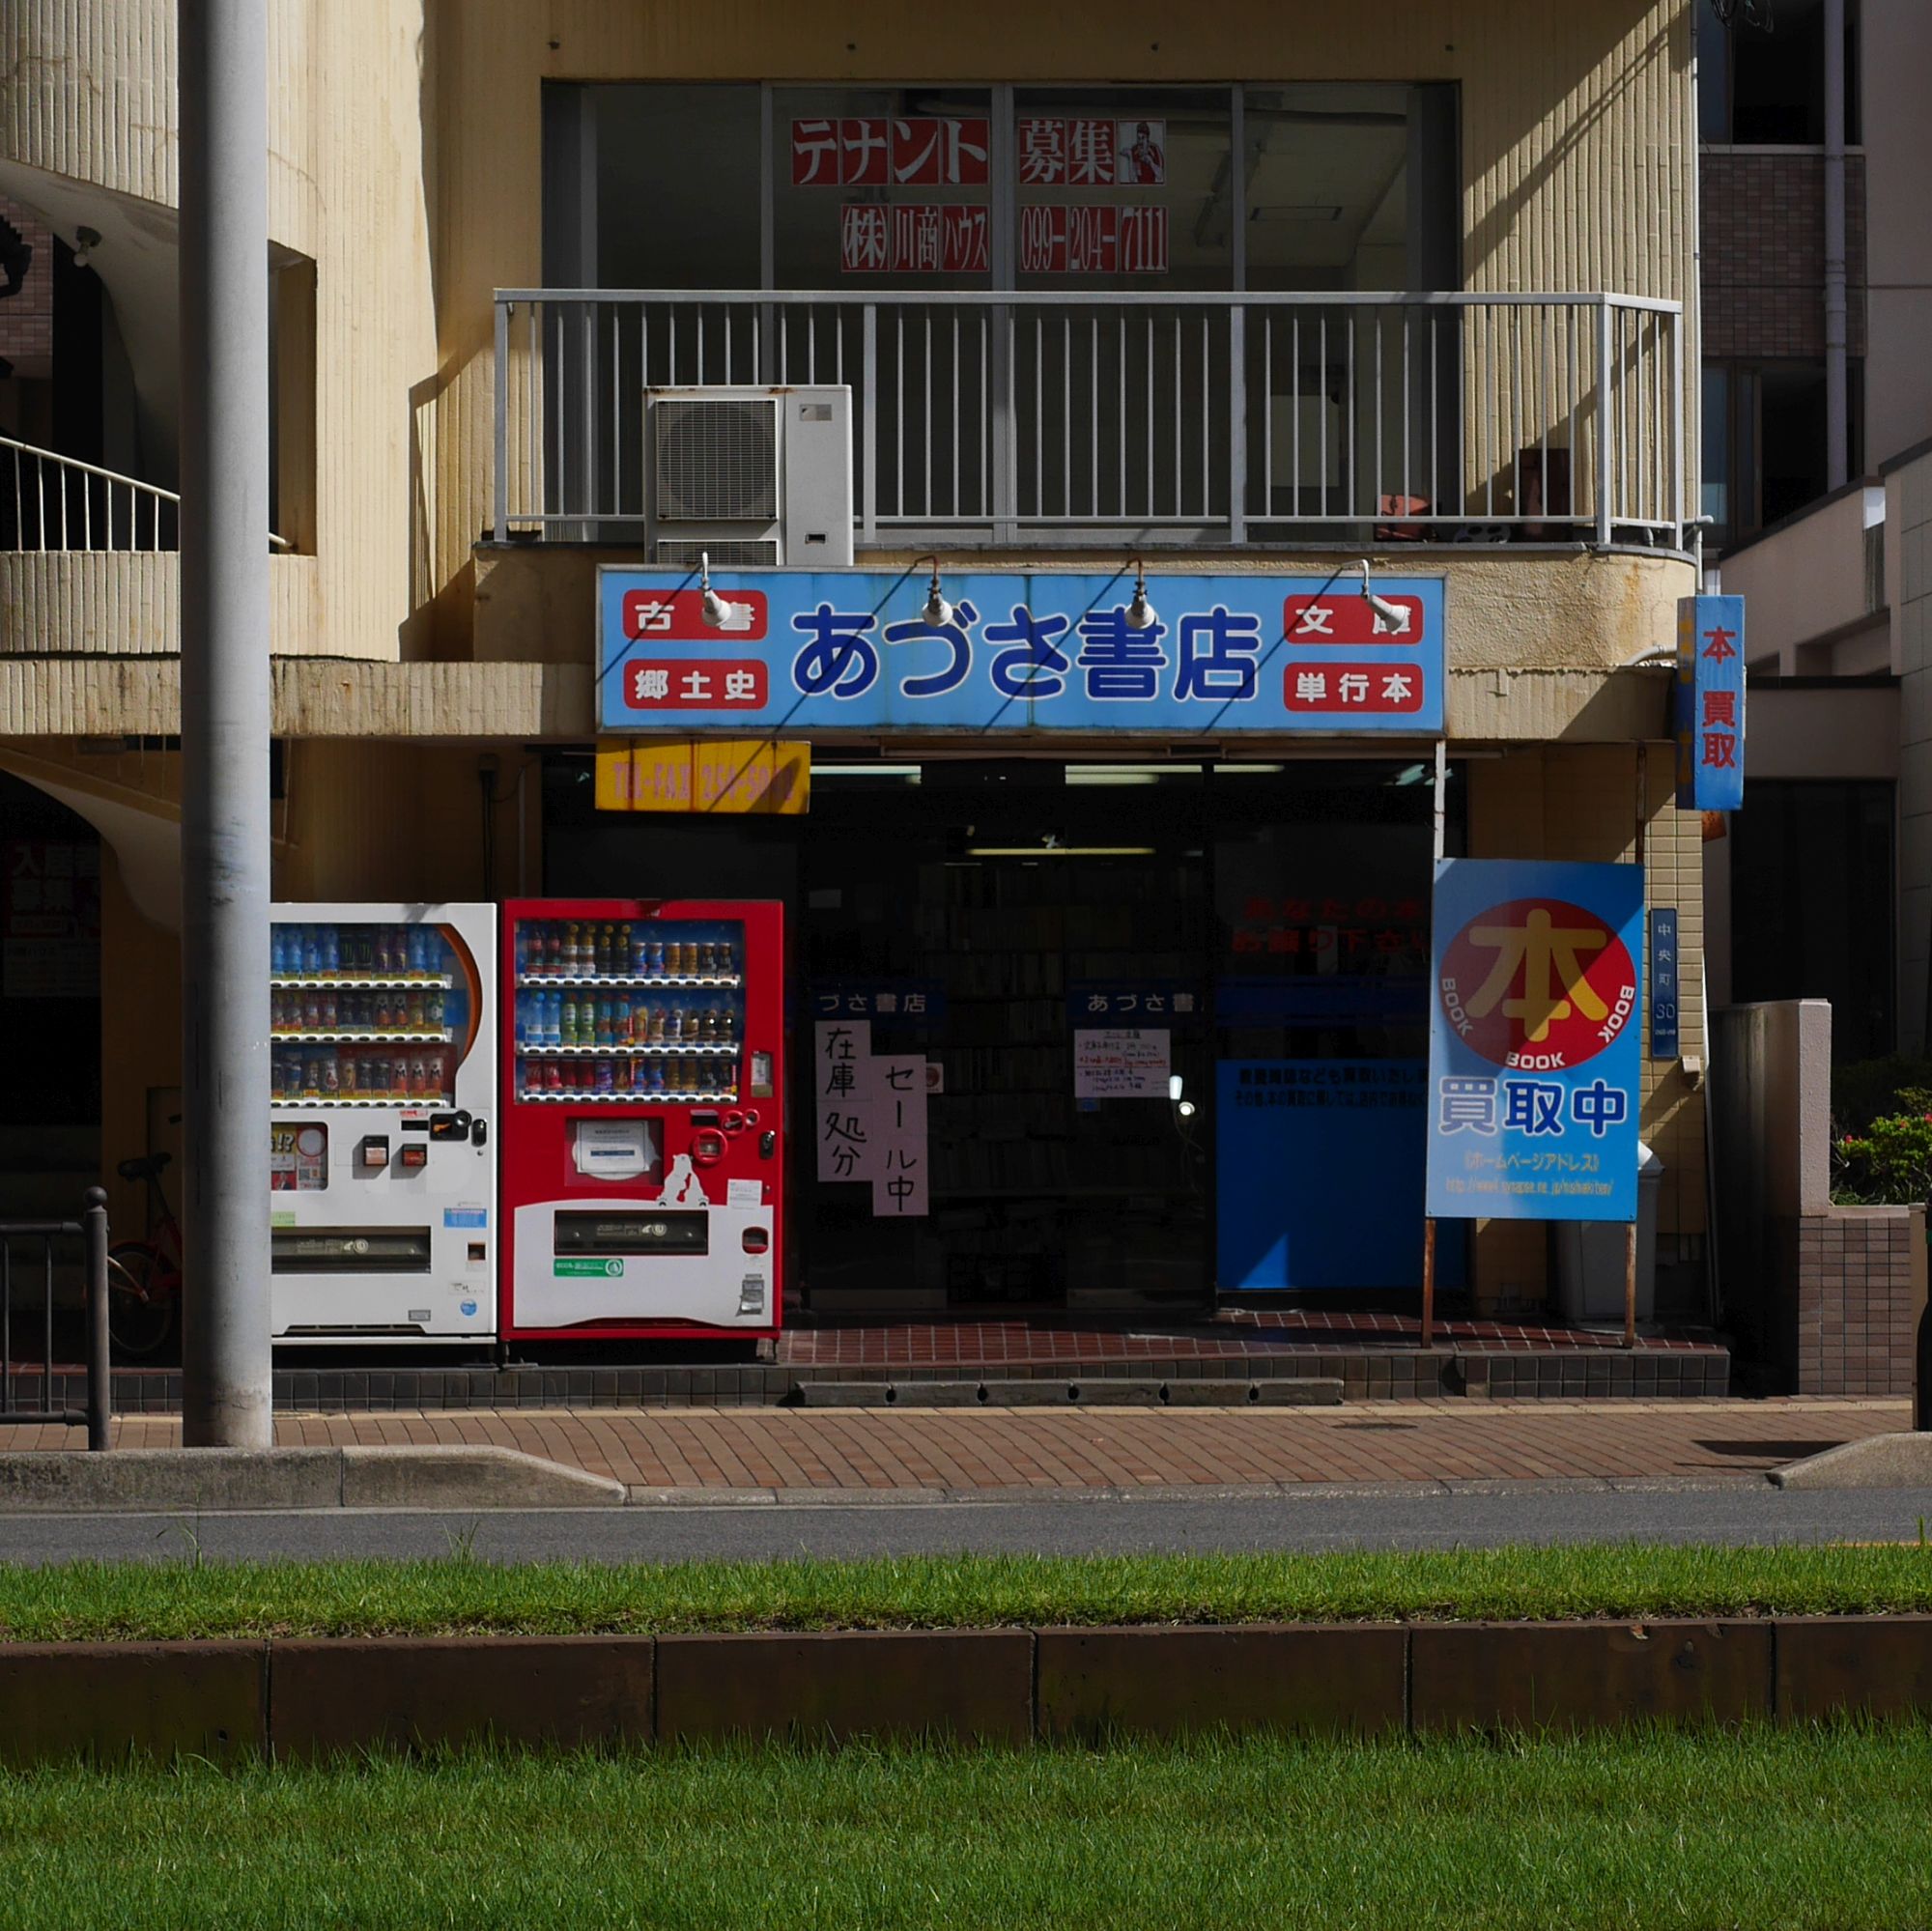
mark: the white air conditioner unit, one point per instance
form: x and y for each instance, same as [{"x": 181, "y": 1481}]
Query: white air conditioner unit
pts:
[{"x": 751, "y": 475}]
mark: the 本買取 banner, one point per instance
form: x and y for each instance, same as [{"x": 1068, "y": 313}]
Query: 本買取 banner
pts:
[
  {"x": 794, "y": 651},
  {"x": 1534, "y": 1026}
]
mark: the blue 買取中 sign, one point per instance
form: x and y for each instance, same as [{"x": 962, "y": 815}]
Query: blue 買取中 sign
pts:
[
  {"x": 1709, "y": 703},
  {"x": 851, "y": 650},
  {"x": 1663, "y": 999},
  {"x": 1534, "y": 1060}
]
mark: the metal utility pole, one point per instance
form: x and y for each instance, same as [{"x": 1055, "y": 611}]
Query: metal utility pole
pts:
[
  {"x": 1838, "y": 435},
  {"x": 221, "y": 57}
]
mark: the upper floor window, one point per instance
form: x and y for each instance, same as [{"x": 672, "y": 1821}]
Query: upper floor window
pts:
[
  {"x": 1761, "y": 73},
  {"x": 936, "y": 188}
]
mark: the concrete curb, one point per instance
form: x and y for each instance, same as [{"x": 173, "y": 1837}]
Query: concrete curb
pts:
[
  {"x": 1879, "y": 1461},
  {"x": 1153, "y": 1494},
  {"x": 298, "y": 1698},
  {"x": 209, "y": 1481}
]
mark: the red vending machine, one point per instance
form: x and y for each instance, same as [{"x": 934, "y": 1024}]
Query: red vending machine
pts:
[{"x": 642, "y": 1134}]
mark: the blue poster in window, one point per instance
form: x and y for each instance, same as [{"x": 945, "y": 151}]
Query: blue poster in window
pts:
[
  {"x": 1709, "y": 699},
  {"x": 1534, "y": 1064},
  {"x": 764, "y": 651},
  {"x": 1302, "y": 1145}
]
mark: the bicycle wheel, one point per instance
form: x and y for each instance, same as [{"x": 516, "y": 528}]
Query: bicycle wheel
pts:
[{"x": 140, "y": 1315}]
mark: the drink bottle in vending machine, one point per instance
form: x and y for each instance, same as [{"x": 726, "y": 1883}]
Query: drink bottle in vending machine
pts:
[
  {"x": 643, "y": 1119},
  {"x": 381, "y": 1104}
]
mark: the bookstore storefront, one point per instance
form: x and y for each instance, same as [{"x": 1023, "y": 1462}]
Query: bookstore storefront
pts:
[{"x": 1166, "y": 1018}]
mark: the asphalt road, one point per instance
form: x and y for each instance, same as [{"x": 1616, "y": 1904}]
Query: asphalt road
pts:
[{"x": 1535, "y": 1512}]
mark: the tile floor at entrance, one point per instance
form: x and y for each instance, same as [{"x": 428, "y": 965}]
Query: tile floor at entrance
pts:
[{"x": 1056, "y": 1336}]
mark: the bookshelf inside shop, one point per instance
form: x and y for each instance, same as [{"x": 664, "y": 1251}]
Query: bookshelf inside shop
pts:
[{"x": 1036, "y": 1194}]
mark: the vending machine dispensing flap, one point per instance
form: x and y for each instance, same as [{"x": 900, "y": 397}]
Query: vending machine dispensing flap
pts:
[
  {"x": 650, "y": 1231},
  {"x": 367, "y": 1250}
]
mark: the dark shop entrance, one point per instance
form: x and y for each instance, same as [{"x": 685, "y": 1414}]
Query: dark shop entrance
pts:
[{"x": 1165, "y": 1022}]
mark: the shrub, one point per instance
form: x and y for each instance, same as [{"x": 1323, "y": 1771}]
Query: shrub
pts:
[
  {"x": 1868, "y": 1090},
  {"x": 1890, "y": 1163}
]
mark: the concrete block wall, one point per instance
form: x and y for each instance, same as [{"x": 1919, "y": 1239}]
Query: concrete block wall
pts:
[{"x": 1861, "y": 1289}]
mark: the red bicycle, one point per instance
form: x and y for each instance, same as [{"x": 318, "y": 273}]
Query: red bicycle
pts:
[{"x": 144, "y": 1277}]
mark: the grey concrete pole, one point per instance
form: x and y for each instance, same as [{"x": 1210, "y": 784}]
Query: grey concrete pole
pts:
[
  {"x": 1838, "y": 435},
  {"x": 221, "y": 57}
]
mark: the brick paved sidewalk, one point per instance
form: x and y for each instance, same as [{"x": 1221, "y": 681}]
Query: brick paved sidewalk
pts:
[{"x": 966, "y": 1450}]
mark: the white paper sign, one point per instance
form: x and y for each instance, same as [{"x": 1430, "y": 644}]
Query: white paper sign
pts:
[
  {"x": 744, "y": 1193},
  {"x": 869, "y": 1117},
  {"x": 897, "y": 1110},
  {"x": 1121, "y": 1062},
  {"x": 612, "y": 1149},
  {"x": 842, "y": 1075}
]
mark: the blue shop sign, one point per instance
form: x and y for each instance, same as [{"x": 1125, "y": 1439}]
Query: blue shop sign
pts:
[
  {"x": 1663, "y": 1000},
  {"x": 1141, "y": 1002},
  {"x": 910, "y": 1002},
  {"x": 1534, "y": 1069},
  {"x": 1709, "y": 703},
  {"x": 796, "y": 651}
]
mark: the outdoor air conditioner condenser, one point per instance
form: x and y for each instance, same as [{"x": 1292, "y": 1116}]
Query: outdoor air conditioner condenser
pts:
[{"x": 750, "y": 476}]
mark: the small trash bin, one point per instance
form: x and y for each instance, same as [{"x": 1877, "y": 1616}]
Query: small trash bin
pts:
[{"x": 1590, "y": 1254}]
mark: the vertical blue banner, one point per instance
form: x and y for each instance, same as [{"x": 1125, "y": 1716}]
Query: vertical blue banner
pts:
[
  {"x": 1534, "y": 1064},
  {"x": 1709, "y": 703},
  {"x": 1664, "y": 997}
]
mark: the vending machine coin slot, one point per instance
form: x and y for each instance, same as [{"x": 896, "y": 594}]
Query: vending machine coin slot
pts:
[
  {"x": 372, "y": 1152},
  {"x": 412, "y": 1159}
]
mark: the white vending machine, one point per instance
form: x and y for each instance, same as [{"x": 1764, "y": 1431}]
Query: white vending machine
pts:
[{"x": 383, "y": 1165}]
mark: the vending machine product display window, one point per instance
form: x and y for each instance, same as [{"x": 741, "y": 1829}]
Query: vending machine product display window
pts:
[
  {"x": 645, "y": 1042},
  {"x": 383, "y": 1094}
]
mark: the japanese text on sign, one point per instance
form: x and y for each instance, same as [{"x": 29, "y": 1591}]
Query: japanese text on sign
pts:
[
  {"x": 1533, "y": 1065},
  {"x": 1121, "y": 1062},
  {"x": 1092, "y": 1002},
  {"x": 870, "y": 1117},
  {"x": 913, "y": 1002},
  {"x": 877, "y": 150},
  {"x": 853, "y": 650},
  {"x": 1086, "y": 151},
  {"x": 1347, "y": 1084},
  {"x": 1663, "y": 1001},
  {"x": 1709, "y": 698},
  {"x": 911, "y": 239}
]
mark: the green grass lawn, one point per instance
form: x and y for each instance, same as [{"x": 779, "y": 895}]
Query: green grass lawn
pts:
[
  {"x": 1763, "y": 1828},
  {"x": 183, "y": 1598}
]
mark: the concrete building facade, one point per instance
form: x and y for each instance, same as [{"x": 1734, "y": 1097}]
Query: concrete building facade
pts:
[{"x": 448, "y": 178}]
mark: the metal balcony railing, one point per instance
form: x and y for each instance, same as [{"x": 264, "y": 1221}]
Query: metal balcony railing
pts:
[
  {"x": 1099, "y": 418},
  {"x": 54, "y": 502}
]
